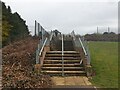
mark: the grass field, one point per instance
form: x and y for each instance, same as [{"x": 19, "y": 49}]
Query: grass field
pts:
[{"x": 104, "y": 60}]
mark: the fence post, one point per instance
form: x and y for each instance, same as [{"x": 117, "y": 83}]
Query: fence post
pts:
[
  {"x": 38, "y": 29},
  {"x": 62, "y": 56},
  {"x": 35, "y": 27}
]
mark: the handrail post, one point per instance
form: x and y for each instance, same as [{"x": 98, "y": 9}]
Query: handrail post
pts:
[
  {"x": 62, "y": 56},
  {"x": 88, "y": 53},
  {"x": 51, "y": 36},
  {"x": 42, "y": 34}
]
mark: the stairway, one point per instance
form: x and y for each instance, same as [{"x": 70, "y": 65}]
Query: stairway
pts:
[
  {"x": 56, "y": 45},
  {"x": 52, "y": 64},
  {"x": 68, "y": 45}
]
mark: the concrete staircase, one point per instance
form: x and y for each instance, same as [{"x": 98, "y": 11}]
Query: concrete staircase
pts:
[
  {"x": 68, "y": 45},
  {"x": 52, "y": 64}
]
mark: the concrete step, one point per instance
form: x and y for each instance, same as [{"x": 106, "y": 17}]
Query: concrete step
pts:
[
  {"x": 68, "y": 68},
  {"x": 60, "y": 55},
  {"x": 60, "y": 65},
  {"x": 66, "y": 72},
  {"x": 60, "y": 58},
  {"x": 66, "y": 52},
  {"x": 60, "y": 61}
]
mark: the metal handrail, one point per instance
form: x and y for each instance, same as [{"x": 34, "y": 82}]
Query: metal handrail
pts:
[
  {"x": 43, "y": 46},
  {"x": 62, "y": 56},
  {"x": 51, "y": 36},
  {"x": 39, "y": 51},
  {"x": 83, "y": 47},
  {"x": 86, "y": 51}
]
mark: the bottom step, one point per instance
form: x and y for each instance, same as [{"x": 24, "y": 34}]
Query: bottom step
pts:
[{"x": 66, "y": 73}]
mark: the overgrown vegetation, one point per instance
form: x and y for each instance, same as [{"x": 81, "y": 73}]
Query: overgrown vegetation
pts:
[
  {"x": 13, "y": 26},
  {"x": 104, "y": 60},
  {"x": 18, "y": 66}
]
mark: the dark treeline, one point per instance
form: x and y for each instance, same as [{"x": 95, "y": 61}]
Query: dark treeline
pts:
[
  {"x": 13, "y": 26},
  {"x": 111, "y": 36}
]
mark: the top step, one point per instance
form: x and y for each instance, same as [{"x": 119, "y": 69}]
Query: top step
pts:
[{"x": 61, "y": 51}]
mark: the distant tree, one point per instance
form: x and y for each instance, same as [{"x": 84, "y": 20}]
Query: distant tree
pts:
[
  {"x": 6, "y": 27},
  {"x": 5, "y": 30},
  {"x": 13, "y": 26},
  {"x": 112, "y": 33},
  {"x": 105, "y": 33},
  {"x": 19, "y": 29}
]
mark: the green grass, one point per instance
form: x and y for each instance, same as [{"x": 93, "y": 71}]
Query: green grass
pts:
[{"x": 104, "y": 60}]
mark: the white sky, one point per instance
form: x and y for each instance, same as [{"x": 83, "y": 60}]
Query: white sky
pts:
[{"x": 83, "y": 16}]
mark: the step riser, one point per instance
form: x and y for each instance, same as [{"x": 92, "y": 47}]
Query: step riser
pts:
[
  {"x": 60, "y": 62},
  {"x": 60, "y": 52},
  {"x": 64, "y": 69},
  {"x": 60, "y": 58},
  {"x": 54, "y": 65},
  {"x": 63, "y": 56},
  {"x": 66, "y": 74}
]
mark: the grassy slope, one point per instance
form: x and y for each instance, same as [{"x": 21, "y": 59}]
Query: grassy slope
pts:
[{"x": 104, "y": 59}]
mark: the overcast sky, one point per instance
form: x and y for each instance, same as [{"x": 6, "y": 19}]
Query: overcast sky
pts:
[{"x": 82, "y": 16}]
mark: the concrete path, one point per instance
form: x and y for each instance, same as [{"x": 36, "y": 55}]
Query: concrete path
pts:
[
  {"x": 71, "y": 80},
  {"x": 72, "y": 83}
]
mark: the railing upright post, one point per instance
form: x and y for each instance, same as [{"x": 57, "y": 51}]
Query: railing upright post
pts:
[
  {"x": 38, "y": 29},
  {"x": 42, "y": 34},
  {"x": 62, "y": 56},
  {"x": 35, "y": 26},
  {"x": 51, "y": 36}
]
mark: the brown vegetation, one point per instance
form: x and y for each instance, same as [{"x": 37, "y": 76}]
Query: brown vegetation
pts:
[{"x": 18, "y": 63}]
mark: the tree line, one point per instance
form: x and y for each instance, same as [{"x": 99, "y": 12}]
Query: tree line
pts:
[
  {"x": 111, "y": 36},
  {"x": 13, "y": 26}
]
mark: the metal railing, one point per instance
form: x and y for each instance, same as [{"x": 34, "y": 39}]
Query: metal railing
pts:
[
  {"x": 41, "y": 46},
  {"x": 62, "y": 55},
  {"x": 85, "y": 52},
  {"x": 83, "y": 44},
  {"x": 39, "y": 50},
  {"x": 51, "y": 36}
]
